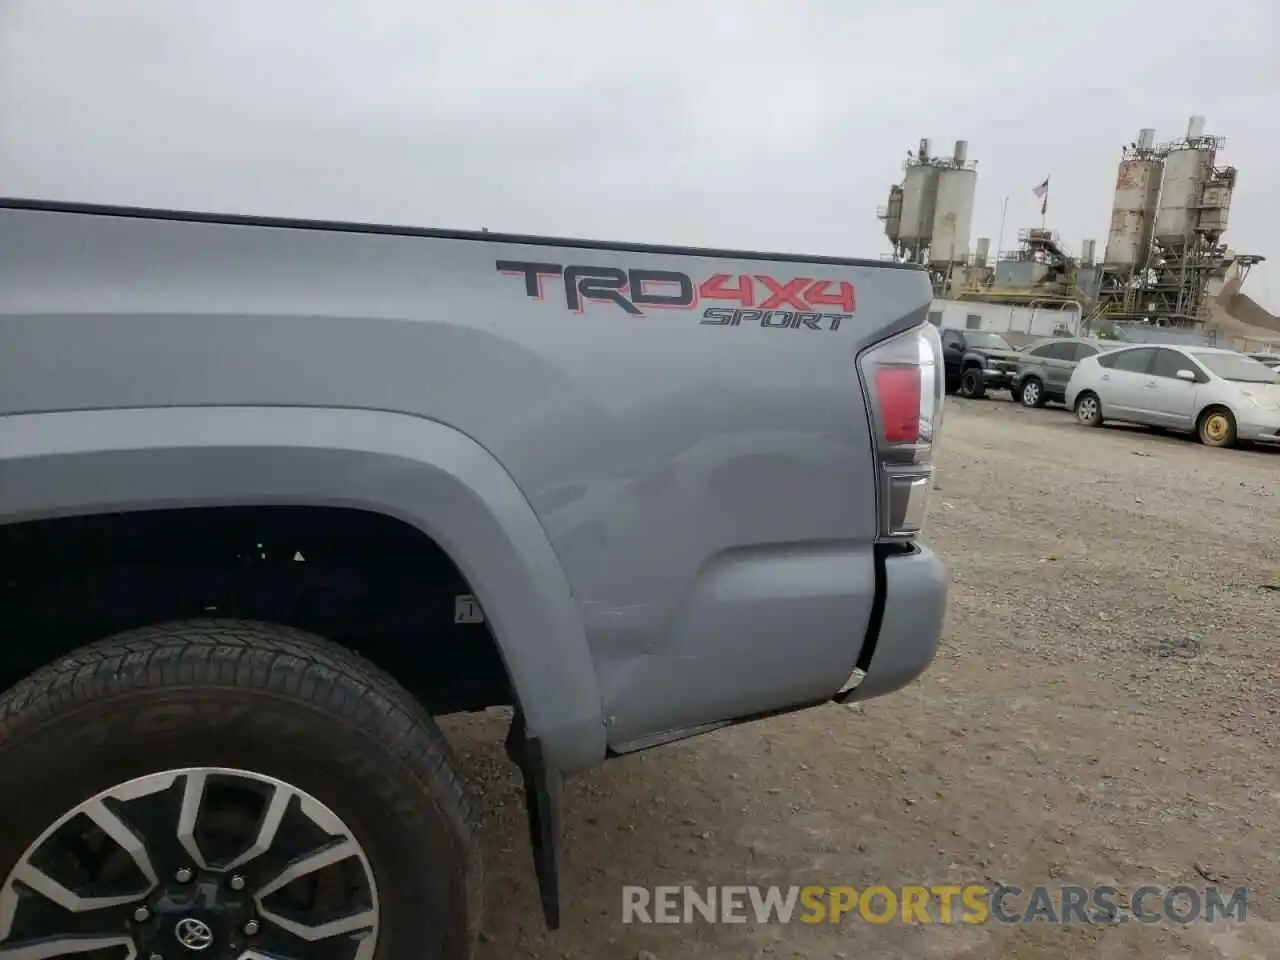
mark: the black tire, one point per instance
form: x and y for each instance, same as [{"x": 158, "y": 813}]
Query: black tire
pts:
[
  {"x": 272, "y": 701},
  {"x": 1216, "y": 427},
  {"x": 1088, "y": 409},
  {"x": 972, "y": 386},
  {"x": 1031, "y": 392}
]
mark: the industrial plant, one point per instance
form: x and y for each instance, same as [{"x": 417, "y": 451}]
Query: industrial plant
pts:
[{"x": 1165, "y": 271}]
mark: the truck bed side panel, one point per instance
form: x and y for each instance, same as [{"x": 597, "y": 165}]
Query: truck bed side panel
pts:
[{"x": 707, "y": 487}]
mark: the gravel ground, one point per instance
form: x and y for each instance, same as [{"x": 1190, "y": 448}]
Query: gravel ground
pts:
[{"x": 1104, "y": 710}]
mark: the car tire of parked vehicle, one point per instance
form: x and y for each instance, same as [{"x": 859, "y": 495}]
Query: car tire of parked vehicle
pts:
[
  {"x": 972, "y": 386},
  {"x": 323, "y": 762},
  {"x": 1089, "y": 409},
  {"x": 1216, "y": 427},
  {"x": 1031, "y": 392}
]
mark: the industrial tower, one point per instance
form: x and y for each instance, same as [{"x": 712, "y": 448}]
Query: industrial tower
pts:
[
  {"x": 1164, "y": 253},
  {"x": 930, "y": 214}
]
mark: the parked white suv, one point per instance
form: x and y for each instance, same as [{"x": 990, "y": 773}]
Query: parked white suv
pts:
[{"x": 1222, "y": 396}]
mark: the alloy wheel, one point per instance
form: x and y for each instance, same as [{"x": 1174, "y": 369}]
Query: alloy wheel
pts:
[{"x": 193, "y": 864}]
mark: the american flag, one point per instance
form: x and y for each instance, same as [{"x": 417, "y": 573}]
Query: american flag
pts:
[{"x": 1042, "y": 194}]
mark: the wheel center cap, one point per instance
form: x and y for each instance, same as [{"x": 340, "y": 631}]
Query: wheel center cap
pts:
[{"x": 193, "y": 934}]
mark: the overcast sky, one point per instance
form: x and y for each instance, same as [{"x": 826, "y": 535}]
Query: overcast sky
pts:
[{"x": 768, "y": 125}]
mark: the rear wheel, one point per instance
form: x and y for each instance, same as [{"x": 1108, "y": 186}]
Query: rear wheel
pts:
[
  {"x": 972, "y": 385},
  {"x": 1089, "y": 409},
  {"x": 1031, "y": 393},
  {"x": 1217, "y": 427},
  {"x": 233, "y": 789}
]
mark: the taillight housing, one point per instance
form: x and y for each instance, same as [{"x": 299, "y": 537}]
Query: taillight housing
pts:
[{"x": 903, "y": 381}]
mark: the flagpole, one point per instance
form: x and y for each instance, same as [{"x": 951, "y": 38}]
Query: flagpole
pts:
[
  {"x": 1044, "y": 205},
  {"x": 1004, "y": 209}
]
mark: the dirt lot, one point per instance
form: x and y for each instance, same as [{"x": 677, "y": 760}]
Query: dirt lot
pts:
[{"x": 1104, "y": 709}]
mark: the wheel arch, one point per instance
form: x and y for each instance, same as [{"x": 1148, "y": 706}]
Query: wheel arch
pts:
[
  {"x": 421, "y": 472},
  {"x": 1215, "y": 405}
]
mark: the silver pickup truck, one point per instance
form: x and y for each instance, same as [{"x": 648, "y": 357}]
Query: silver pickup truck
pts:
[{"x": 276, "y": 494}]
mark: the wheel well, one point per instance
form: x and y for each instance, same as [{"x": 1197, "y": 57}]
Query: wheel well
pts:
[
  {"x": 368, "y": 581},
  {"x": 1210, "y": 409}
]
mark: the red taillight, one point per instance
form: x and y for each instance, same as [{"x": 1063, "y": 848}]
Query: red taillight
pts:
[
  {"x": 897, "y": 390},
  {"x": 904, "y": 388}
]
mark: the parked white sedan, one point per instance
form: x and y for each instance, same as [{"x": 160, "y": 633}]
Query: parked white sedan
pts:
[{"x": 1220, "y": 395}]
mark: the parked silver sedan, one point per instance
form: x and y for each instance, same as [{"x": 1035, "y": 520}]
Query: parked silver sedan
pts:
[{"x": 1220, "y": 395}]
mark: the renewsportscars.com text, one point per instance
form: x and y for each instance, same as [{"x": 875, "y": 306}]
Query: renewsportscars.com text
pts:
[{"x": 971, "y": 904}]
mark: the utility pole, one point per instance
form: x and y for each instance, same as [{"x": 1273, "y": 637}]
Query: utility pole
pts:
[{"x": 1004, "y": 209}]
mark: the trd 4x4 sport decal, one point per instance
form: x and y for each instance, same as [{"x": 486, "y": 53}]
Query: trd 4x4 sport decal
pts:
[{"x": 801, "y": 302}]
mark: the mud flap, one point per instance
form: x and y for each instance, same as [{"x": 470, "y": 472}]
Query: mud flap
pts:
[{"x": 543, "y": 798}]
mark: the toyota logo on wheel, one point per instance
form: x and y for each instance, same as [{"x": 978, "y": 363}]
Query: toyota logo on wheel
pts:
[{"x": 193, "y": 934}]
